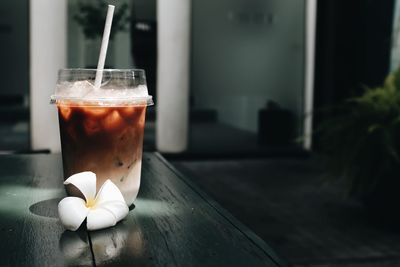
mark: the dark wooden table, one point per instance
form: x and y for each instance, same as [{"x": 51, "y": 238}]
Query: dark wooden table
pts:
[{"x": 173, "y": 224}]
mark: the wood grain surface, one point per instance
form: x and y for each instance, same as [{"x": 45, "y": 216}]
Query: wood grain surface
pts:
[{"x": 172, "y": 224}]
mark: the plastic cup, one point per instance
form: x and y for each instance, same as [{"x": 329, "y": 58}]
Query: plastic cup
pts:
[{"x": 101, "y": 129}]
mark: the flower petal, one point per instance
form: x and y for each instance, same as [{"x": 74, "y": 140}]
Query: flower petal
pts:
[
  {"x": 100, "y": 218},
  {"x": 72, "y": 212},
  {"x": 118, "y": 208},
  {"x": 85, "y": 182},
  {"x": 109, "y": 192}
]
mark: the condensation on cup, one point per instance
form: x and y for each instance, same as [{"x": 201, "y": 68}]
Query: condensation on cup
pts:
[{"x": 101, "y": 129}]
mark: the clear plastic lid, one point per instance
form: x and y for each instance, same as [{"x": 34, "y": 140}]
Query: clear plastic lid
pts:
[{"x": 118, "y": 87}]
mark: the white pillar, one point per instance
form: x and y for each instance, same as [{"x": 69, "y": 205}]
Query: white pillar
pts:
[
  {"x": 173, "y": 17},
  {"x": 310, "y": 33},
  {"x": 48, "y": 33}
]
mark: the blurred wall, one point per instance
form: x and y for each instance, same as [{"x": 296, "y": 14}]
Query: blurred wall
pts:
[
  {"x": 14, "y": 44},
  {"x": 245, "y": 53}
]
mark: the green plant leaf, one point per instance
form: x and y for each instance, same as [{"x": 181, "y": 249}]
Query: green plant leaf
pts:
[{"x": 361, "y": 136}]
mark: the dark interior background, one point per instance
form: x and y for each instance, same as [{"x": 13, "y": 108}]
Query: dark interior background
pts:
[
  {"x": 352, "y": 52},
  {"x": 353, "y": 47}
]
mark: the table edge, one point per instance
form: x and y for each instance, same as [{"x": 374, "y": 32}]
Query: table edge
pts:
[{"x": 253, "y": 237}]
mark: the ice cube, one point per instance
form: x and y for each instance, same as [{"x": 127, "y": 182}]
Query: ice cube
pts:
[
  {"x": 142, "y": 91},
  {"x": 113, "y": 121},
  {"x": 65, "y": 112},
  {"x": 77, "y": 89},
  {"x": 86, "y": 91},
  {"x": 81, "y": 88},
  {"x": 95, "y": 111},
  {"x": 127, "y": 112}
]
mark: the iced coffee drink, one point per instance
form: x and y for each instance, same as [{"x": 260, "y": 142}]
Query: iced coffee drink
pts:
[{"x": 102, "y": 128}]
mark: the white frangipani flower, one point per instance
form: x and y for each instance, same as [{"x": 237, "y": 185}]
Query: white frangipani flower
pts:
[{"x": 102, "y": 210}]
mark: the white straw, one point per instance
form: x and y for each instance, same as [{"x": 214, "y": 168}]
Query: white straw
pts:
[{"x": 104, "y": 45}]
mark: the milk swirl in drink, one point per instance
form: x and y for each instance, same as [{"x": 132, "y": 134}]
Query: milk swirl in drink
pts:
[{"x": 102, "y": 128}]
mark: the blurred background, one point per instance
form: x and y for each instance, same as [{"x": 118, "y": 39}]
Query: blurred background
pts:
[
  {"x": 246, "y": 67},
  {"x": 240, "y": 88}
]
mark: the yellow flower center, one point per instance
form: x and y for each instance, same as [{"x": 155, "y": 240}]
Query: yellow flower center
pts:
[{"x": 90, "y": 203}]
